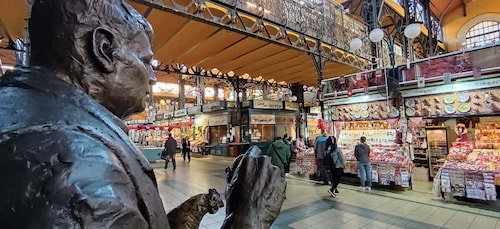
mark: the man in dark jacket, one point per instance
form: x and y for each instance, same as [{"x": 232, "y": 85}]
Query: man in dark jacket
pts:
[
  {"x": 186, "y": 148},
  {"x": 362, "y": 154},
  {"x": 169, "y": 151}
]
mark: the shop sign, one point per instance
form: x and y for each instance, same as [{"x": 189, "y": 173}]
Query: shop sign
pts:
[
  {"x": 179, "y": 113},
  {"x": 194, "y": 110},
  {"x": 262, "y": 119},
  {"x": 231, "y": 104},
  {"x": 159, "y": 117},
  {"x": 212, "y": 107},
  {"x": 245, "y": 104},
  {"x": 315, "y": 110},
  {"x": 267, "y": 104},
  {"x": 168, "y": 115},
  {"x": 220, "y": 120},
  {"x": 291, "y": 106},
  {"x": 494, "y": 81},
  {"x": 200, "y": 120}
]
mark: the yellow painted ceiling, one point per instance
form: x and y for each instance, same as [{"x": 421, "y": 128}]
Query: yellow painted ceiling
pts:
[{"x": 194, "y": 43}]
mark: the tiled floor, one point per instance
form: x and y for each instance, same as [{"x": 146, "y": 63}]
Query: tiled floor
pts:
[{"x": 308, "y": 205}]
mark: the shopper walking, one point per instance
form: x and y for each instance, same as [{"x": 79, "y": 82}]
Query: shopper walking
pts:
[
  {"x": 279, "y": 152},
  {"x": 169, "y": 151},
  {"x": 186, "y": 148},
  {"x": 362, "y": 154},
  {"x": 337, "y": 165},
  {"x": 320, "y": 152}
]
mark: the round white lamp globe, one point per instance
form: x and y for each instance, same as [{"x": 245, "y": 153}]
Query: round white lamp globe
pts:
[
  {"x": 412, "y": 30},
  {"x": 376, "y": 35},
  {"x": 355, "y": 44}
]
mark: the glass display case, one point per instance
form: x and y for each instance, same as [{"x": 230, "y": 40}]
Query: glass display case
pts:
[
  {"x": 285, "y": 124},
  {"x": 437, "y": 148}
]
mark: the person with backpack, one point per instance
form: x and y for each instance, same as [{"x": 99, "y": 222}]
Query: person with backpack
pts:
[
  {"x": 337, "y": 165},
  {"x": 320, "y": 153},
  {"x": 279, "y": 152}
]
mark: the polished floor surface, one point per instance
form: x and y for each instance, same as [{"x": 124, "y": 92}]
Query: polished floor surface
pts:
[{"x": 308, "y": 205}]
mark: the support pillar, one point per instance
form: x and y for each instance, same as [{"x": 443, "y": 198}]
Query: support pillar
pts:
[
  {"x": 182, "y": 94},
  {"x": 216, "y": 93},
  {"x": 298, "y": 90},
  {"x": 200, "y": 98},
  {"x": 429, "y": 49},
  {"x": 319, "y": 63}
]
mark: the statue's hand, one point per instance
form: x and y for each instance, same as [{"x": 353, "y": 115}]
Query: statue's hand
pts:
[{"x": 255, "y": 192}]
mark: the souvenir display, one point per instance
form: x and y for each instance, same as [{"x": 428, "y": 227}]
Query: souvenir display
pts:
[
  {"x": 365, "y": 111},
  {"x": 463, "y": 97},
  {"x": 305, "y": 162},
  {"x": 464, "y": 107},
  {"x": 450, "y": 108},
  {"x": 449, "y": 99},
  {"x": 481, "y": 101},
  {"x": 387, "y": 156}
]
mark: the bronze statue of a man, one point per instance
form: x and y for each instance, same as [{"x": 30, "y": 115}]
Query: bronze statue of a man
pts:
[{"x": 65, "y": 158}]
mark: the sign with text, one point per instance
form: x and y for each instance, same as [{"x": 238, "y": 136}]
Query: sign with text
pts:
[
  {"x": 262, "y": 119},
  {"x": 194, "y": 110},
  {"x": 493, "y": 81},
  {"x": 180, "y": 113},
  {"x": 219, "y": 120},
  {"x": 291, "y": 106},
  {"x": 212, "y": 107},
  {"x": 267, "y": 104}
]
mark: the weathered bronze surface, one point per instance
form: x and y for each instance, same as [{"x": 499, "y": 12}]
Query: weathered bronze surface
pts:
[
  {"x": 255, "y": 191},
  {"x": 65, "y": 157},
  {"x": 189, "y": 214}
]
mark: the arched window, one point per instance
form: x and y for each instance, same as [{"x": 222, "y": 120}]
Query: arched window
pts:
[{"x": 483, "y": 33}]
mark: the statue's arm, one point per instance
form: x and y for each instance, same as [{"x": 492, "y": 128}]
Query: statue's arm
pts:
[
  {"x": 254, "y": 194},
  {"x": 65, "y": 179}
]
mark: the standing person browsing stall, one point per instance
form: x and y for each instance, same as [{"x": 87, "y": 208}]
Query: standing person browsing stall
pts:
[
  {"x": 186, "y": 148},
  {"x": 362, "y": 154},
  {"x": 337, "y": 165}
]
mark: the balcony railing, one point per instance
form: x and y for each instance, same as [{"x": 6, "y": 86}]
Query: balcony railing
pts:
[{"x": 321, "y": 19}]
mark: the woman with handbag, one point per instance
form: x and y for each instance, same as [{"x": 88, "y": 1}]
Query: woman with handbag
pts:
[{"x": 337, "y": 165}]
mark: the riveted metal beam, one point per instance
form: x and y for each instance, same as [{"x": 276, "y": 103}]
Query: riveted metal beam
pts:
[{"x": 313, "y": 26}]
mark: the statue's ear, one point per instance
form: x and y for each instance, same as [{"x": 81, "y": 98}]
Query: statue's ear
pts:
[{"x": 102, "y": 49}]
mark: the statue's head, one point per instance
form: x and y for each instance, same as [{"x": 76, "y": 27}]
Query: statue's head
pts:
[{"x": 101, "y": 46}]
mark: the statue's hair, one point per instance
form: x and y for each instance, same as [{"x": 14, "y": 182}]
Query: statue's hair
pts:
[{"x": 61, "y": 33}]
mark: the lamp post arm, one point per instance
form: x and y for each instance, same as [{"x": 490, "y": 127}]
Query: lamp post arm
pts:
[{"x": 390, "y": 46}]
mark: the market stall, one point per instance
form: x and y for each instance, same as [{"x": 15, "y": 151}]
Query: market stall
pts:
[
  {"x": 380, "y": 123},
  {"x": 472, "y": 168},
  {"x": 149, "y": 139}
]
